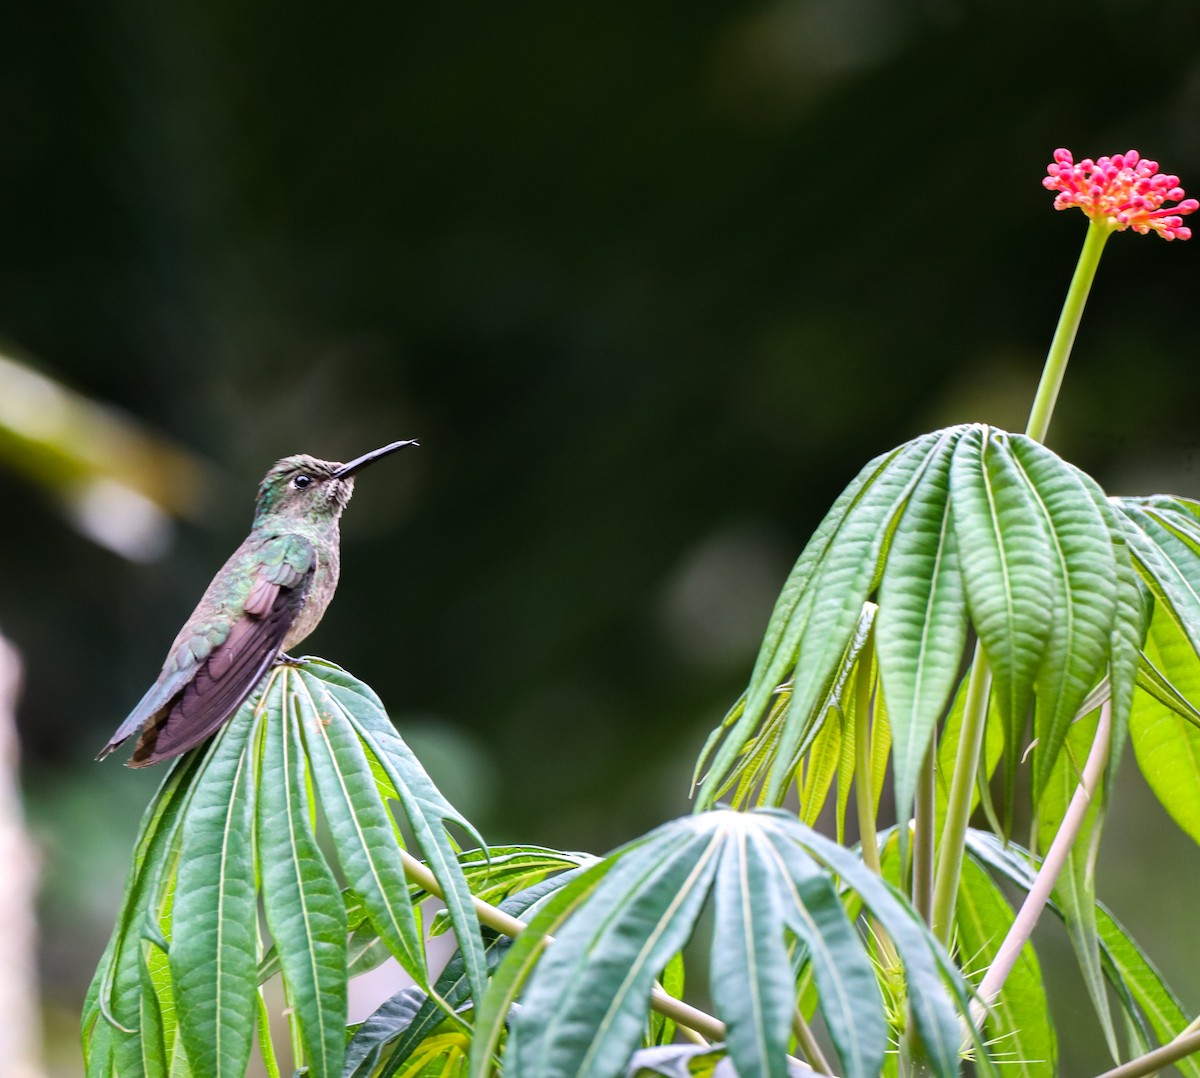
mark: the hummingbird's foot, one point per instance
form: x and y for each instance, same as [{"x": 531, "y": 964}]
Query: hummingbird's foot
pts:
[{"x": 284, "y": 659}]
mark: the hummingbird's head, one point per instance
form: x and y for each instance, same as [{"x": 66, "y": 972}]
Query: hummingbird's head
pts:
[{"x": 311, "y": 489}]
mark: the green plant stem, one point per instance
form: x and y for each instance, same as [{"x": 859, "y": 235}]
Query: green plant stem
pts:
[
  {"x": 807, "y": 1044},
  {"x": 1056, "y": 857},
  {"x": 1064, "y": 333},
  {"x": 958, "y": 805},
  {"x": 864, "y": 795},
  {"x": 924, "y": 820}
]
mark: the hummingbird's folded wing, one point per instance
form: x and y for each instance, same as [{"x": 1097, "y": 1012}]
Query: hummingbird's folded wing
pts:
[{"x": 197, "y": 700}]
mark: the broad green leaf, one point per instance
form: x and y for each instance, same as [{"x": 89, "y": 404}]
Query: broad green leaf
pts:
[
  {"x": 826, "y": 616},
  {"x": 426, "y": 810},
  {"x": 847, "y": 992},
  {"x": 1004, "y": 552},
  {"x": 584, "y": 1006},
  {"x": 362, "y": 828},
  {"x": 1167, "y": 563},
  {"x": 749, "y": 975},
  {"x": 112, "y": 1013},
  {"x": 555, "y": 900},
  {"x": 214, "y": 946},
  {"x": 1167, "y": 746},
  {"x": 301, "y": 899},
  {"x": 777, "y": 656},
  {"x": 1080, "y": 608},
  {"x": 922, "y": 625}
]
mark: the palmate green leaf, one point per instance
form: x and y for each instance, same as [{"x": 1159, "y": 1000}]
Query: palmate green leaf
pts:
[
  {"x": 584, "y": 1007},
  {"x": 214, "y": 954},
  {"x": 363, "y": 831},
  {"x": 113, "y": 1009},
  {"x": 426, "y": 810},
  {"x": 301, "y": 899},
  {"x": 826, "y": 616},
  {"x": 819, "y": 604},
  {"x": 751, "y": 978},
  {"x": 921, "y": 627},
  {"x": 1007, "y": 573},
  {"x": 1081, "y": 608},
  {"x": 1167, "y": 745},
  {"x": 1139, "y": 986},
  {"x": 493, "y": 1012}
]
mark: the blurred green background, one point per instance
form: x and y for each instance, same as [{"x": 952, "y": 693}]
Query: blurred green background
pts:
[{"x": 650, "y": 281}]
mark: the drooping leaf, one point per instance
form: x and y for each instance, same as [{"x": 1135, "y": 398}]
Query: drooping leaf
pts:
[
  {"x": 1081, "y": 607},
  {"x": 922, "y": 625},
  {"x": 1166, "y": 744},
  {"x": 214, "y": 939},
  {"x": 826, "y": 616},
  {"x": 363, "y": 831},
  {"x": 1004, "y": 552},
  {"x": 426, "y": 810},
  {"x": 301, "y": 899},
  {"x": 584, "y": 1007}
]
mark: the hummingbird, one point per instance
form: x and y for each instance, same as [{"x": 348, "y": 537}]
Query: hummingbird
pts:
[{"x": 265, "y": 599}]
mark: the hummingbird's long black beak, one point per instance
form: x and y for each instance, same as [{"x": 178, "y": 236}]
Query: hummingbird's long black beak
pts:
[{"x": 358, "y": 463}]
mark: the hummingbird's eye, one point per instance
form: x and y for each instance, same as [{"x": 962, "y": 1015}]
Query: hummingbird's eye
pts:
[{"x": 302, "y": 481}]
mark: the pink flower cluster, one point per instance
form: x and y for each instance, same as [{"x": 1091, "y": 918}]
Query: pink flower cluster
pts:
[{"x": 1124, "y": 190}]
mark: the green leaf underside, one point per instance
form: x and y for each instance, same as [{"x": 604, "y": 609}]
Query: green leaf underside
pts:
[
  {"x": 826, "y": 616},
  {"x": 584, "y": 1007}
]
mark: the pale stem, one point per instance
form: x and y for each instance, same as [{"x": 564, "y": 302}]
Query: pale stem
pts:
[
  {"x": 1152, "y": 1062},
  {"x": 1052, "y": 865},
  {"x": 1064, "y": 333},
  {"x": 958, "y": 804}
]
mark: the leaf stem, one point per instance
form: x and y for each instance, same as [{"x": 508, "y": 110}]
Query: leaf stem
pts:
[
  {"x": 924, "y": 821},
  {"x": 1152, "y": 1062},
  {"x": 1064, "y": 334},
  {"x": 864, "y": 795},
  {"x": 807, "y": 1043},
  {"x": 1039, "y": 893},
  {"x": 958, "y": 805}
]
